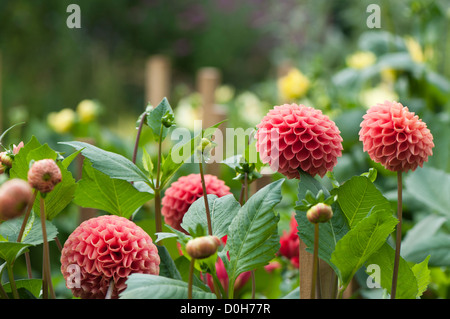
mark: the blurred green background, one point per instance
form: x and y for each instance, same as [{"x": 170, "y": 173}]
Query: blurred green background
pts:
[{"x": 345, "y": 67}]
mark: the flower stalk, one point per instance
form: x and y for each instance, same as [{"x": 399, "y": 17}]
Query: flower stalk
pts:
[
  {"x": 398, "y": 241},
  {"x": 47, "y": 279}
]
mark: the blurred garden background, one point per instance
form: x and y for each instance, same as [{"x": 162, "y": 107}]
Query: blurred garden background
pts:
[{"x": 92, "y": 83}]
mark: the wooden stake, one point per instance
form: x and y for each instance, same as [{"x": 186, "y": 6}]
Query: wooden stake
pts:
[
  {"x": 208, "y": 79},
  {"x": 157, "y": 79}
]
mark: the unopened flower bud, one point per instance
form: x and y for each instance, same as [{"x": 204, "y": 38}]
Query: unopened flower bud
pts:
[
  {"x": 168, "y": 120},
  {"x": 319, "y": 213},
  {"x": 6, "y": 159},
  {"x": 15, "y": 196},
  {"x": 202, "y": 247},
  {"x": 44, "y": 175}
]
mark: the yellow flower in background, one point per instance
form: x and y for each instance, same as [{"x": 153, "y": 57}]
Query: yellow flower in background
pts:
[
  {"x": 224, "y": 94},
  {"x": 388, "y": 75},
  {"x": 294, "y": 85},
  {"x": 250, "y": 107},
  {"x": 87, "y": 111},
  {"x": 378, "y": 94},
  {"x": 361, "y": 59},
  {"x": 62, "y": 121},
  {"x": 414, "y": 49}
]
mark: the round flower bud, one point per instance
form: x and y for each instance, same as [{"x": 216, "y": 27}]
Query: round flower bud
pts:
[
  {"x": 319, "y": 213},
  {"x": 5, "y": 159},
  {"x": 15, "y": 195},
  {"x": 103, "y": 249},
  {"x": 44, "y": 175},
  {"x": 202, "y": 247}
]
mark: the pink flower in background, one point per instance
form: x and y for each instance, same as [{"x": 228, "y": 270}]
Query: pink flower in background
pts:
[
  {"x": 290, "y": 243},
  {"x": 395, "y": 137},
  {"x": 15, "y": 195},
  {"x": 186, "y": 190},
  {"x": 44, "y": 175},
  {"x": 292, "y": 137},
  {"x": 107, "y": 248}
]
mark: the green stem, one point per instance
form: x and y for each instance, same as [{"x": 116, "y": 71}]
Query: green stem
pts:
[
  {"x": 399, "y": 235},
  {"x": 46, "y": 253},
  {"x": 218, "y": 286},
  {"x": 205, "y": 196},
  {"x": 158, "y": 215},
  {"x": 12, "y": 282},
  {"x": 27, "y": 215},
  {"x": 3, "y": 293},
  {"x": 136, "y": 144},
  {"x": 191, "y": 275},
  {"x": 315, "y": 260}
]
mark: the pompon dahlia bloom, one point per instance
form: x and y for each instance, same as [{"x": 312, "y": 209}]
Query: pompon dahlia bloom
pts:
[
  {"x": 106, "y": 248},
  {"x": 43, "y": 175},
  {"x": 15, "y": 195},
  {"x": 292, "y": 137},
  {"x": 186, "y": 190},
  {"x": 395, "y": 137}
]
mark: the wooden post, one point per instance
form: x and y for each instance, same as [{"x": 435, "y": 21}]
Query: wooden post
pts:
[
  {"x": 157, "y": 79},
  {"x": 208, "y": 79}
]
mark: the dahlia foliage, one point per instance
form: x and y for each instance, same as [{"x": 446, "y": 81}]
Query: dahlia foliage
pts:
[{"x": 221, "y": 244}]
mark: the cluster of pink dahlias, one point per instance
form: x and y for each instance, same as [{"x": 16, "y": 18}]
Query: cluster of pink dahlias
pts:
[
  {"x": 395, "y": 137},
  {"x": 186, "y": 190},
  {"x": 290, "y": 243},
  {"x": 104, "y": 251},
  {"x": 292, "y": 137}
]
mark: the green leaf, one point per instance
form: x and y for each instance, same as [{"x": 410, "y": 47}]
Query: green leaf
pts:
[
  {"x": 144, "y": 286},
  {"x": 9, "y": 251},
  {"x": 253, "y": 238},
  {"x": 353, "y": 250},
  {"x": 21, "y": 164},
  {"x": 330, "y": 232},
  {"x": 407, "y": 287},
  {"x": 116, "y": 196},
  {"x": 7, "y": 130},
  {"x": 147, "y": 161},
  {"x": 181, "y": 152},
  {"x": 112, "y": 164},
  {"x": 431, "y": 187},
  {"x": 155, "y": 116},
  {"x": 222, "y": 209},
  {"x": 167, "y": 267},
  {"x": 423, "y": 276},
  {"x": 32, "y": 285},
  {"x": 69, "y": 159},
  {"x": 33, "y": 232},
  {"x": 436, "y": 246},
  {"x": 357, "y": 197},
  {"x": 40, "y": 153},
  {"x": 61, "y": 196}
]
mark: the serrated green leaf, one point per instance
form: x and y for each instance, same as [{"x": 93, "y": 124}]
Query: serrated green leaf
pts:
[
  {"x": 116, "y": 196},
  {"x": 112, "y": 164},
  {"x": 422, "y": 273},
  {"x": 155, "y": 116},
  {"x": 20, "y": 165},
  {"x": 407, "y": 287},
  {"x": 9, "y": 251},
  {"x": 33, "y": 231},
  {"x": 222, "y": 210},
  {"x": 356, "y": 247},
  {"x": 40, "y": 153},
  {"x": 32, "y": 285},
  {"x": 167, "y": 267},
  {"x": 144, "y": 286},
  {"x": 147, "y": 161},
  {"x": 357, "y": 197},
  {"x": 253, "y": 238},
  {"x": 330, "y": 232}
]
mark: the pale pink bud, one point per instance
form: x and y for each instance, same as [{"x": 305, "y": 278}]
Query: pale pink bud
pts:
[
  {"x": 15, "y": 195},
  {"x": 44, "y": 175}
]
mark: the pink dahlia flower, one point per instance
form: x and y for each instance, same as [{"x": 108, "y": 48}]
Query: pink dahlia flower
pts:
[
  {"x": 290, "y": 243},
  {"x": 44, "y": 175},
  {"x": 106, "y": 248},
  {"x": 15, "y": 196},
  {"x": 186, "y": 190},
  {"x": 395, "y": 137},
  {"x": 292, "y": 137}
]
